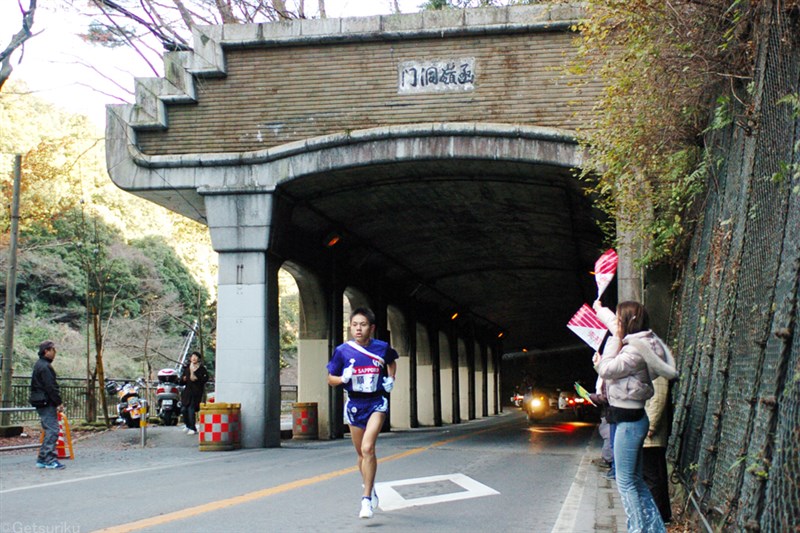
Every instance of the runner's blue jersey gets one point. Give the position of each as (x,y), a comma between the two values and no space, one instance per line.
(367,371)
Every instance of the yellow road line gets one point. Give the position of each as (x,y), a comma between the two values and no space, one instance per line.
(255,495)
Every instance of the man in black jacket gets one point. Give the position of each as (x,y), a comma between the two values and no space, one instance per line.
(46,397)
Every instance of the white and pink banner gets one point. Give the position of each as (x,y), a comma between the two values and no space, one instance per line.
(588,327)
(604,269)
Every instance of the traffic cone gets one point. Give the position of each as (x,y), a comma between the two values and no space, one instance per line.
(64,438)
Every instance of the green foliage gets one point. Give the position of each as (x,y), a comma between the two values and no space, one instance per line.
(660,62)
(289,305)
(723,116)
(173,273)
(74,230)
(792,100)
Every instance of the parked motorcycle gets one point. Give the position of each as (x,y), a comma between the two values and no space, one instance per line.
(168,395)
(131,405)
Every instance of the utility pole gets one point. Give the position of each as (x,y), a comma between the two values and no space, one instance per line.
(11,296)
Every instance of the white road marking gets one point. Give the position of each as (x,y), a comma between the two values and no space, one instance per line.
(227,455)
(565,523)
(391,500)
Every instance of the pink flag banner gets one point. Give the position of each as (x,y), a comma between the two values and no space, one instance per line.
(588,327)
(604,269)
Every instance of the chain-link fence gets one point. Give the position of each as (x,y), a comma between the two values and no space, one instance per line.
(736,434)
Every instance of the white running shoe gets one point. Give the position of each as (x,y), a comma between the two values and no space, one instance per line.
(374,499)
(191,432)
(366,508)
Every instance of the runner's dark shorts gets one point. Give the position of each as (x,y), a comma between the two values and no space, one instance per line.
(358,410)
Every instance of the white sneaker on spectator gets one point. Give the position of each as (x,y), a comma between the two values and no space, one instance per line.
(191,432)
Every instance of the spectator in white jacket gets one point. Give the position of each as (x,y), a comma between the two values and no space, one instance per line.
(633,356)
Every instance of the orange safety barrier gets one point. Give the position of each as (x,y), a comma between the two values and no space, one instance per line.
(304,421)
(220,426)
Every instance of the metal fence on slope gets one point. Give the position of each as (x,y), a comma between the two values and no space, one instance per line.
(736,434)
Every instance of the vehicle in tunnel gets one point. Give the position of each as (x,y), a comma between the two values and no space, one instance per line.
(570,402)
(517,398)
(537,404)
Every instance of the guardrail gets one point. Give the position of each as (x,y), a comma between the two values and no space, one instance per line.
(74,393)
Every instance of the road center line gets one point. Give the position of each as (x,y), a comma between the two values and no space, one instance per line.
(264,493)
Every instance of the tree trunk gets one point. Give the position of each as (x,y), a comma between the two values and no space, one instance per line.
(101,379)
(17,41)
(280,9)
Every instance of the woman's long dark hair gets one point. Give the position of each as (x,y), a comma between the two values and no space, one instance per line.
(632,317)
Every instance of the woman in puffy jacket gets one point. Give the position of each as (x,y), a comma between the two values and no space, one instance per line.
(633,356)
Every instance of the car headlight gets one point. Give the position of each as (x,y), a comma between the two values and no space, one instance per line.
(536,402)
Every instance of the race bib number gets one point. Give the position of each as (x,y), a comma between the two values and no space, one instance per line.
(365,383)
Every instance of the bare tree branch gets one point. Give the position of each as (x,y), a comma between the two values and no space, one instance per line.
(17,41)
(169,44)
(224,8)
(185,14)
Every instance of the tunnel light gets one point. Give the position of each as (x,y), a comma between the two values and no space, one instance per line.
(332,239)
(500,335)
(454,316)
(525,350)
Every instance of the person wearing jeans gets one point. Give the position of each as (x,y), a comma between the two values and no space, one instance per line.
(633,356)
(628,461)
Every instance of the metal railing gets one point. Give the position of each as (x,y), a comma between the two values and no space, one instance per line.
(74,394)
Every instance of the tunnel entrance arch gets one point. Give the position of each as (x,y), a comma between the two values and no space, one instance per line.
(457,209)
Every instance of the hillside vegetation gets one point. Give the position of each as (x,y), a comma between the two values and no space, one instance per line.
(94,261)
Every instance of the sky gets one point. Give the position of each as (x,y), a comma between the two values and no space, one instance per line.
(59,67)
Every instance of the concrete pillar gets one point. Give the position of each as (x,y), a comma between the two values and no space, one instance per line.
(630,248)
(465,406)
(400,398)
(424,382)
(446,380)
(435,344)
(488,379)
(480,380)
(629,277)
(413,370)
(247,355)
(496,354)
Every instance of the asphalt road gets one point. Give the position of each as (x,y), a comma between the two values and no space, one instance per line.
(491,474)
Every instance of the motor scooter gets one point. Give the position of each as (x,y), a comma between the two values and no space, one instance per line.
(131,405)
(168,396)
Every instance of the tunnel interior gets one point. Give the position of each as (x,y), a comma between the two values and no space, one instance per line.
(508,245)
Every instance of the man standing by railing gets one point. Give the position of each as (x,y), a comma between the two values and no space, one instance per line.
(46,398)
